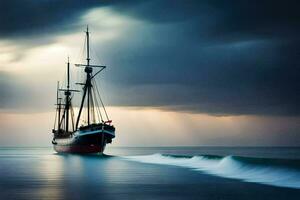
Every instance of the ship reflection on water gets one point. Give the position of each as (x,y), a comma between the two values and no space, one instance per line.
(62,176)
(41,174)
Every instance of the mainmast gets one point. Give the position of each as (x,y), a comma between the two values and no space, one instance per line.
(58,103)
(88,71)
(68,94)
(87,89)
(87,46)
(88,85)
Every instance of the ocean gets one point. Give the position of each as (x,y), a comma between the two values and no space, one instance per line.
(151,173)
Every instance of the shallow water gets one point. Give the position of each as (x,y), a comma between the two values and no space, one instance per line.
(151,173)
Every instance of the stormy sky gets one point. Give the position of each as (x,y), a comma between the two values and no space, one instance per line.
(207,57)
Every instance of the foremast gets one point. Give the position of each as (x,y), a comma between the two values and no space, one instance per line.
(63,125)
(67,93)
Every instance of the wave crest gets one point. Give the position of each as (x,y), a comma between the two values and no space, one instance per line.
(247,169)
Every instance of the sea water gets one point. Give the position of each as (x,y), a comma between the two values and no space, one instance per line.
(151,173)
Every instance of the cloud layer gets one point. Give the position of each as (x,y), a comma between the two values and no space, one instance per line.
(216,57)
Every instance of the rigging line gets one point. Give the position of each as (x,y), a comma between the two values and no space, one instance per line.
(94,116)
(55,118)
(98,72)
(80,56)
(72,116)
(101,100)
(61,124)
(99,112)
(81,51)
(64,115)
(81,106)
(94,53)
(62,119)
(92,104)
(87,110)
(92,107)
(98,107)
(72,112)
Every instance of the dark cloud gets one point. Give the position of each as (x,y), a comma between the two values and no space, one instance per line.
(218,57)
(229,91)
(236,57)
(30,18)
(223,18)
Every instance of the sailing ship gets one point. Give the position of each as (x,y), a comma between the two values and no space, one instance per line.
(74,134)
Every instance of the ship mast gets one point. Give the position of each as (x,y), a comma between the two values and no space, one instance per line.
(66,115)
(58,103)
(87,89)
(68,94)
(88,71)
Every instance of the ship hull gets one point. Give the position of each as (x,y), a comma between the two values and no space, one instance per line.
(83,142)
(78,149)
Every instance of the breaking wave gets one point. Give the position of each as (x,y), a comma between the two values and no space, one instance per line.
(276,172)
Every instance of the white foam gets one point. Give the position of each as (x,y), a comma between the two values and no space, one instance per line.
(229,168)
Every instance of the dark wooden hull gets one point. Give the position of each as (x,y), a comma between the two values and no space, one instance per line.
(78,149)
(83,142)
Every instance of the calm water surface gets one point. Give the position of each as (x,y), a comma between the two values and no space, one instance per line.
(151,173)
